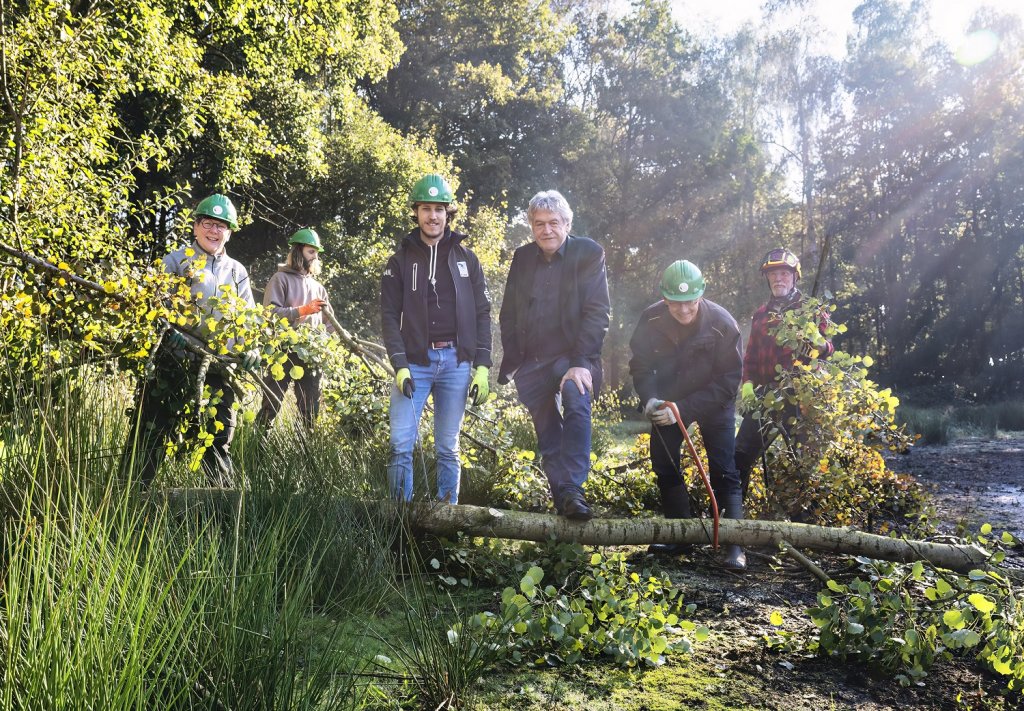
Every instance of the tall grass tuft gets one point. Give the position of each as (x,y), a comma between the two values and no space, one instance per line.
(932,424)
(115,600)
(440,657)
(941,425)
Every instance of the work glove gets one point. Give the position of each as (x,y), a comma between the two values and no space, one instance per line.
(480,388)
(313,307)
(176,339)
(404,383)
(747,391)
(661,416)
(251,360)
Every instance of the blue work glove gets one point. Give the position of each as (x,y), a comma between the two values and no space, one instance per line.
(176,339)
(251,360)
(480,388)
(403,381)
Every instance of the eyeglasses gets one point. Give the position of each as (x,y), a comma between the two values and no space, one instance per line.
(213,225)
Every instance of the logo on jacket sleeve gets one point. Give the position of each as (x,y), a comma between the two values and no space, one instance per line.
(463,269)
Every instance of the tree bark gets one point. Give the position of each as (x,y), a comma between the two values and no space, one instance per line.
(496,523)
(442,519)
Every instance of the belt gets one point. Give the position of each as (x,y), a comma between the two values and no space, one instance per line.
(438,345)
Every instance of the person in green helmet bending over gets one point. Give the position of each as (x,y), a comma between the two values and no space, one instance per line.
(162,398)
(436,323)
(687,349)
(294,293)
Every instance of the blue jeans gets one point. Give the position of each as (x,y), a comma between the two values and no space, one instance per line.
(448,380)
(561,419)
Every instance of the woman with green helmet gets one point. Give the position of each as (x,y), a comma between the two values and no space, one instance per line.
(294,293)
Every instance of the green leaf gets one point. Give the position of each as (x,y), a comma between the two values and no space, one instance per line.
(986,528)
(954,619)
(981,602)
(855,628)
(835,587)
(776,616)
(971,638)
(296,372)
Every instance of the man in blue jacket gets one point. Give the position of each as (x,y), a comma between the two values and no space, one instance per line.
(687,349)
(436,322)
(554,318)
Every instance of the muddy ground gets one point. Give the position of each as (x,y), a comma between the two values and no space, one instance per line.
(972,482)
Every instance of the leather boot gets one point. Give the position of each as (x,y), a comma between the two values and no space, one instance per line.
(735,558)
(675,503)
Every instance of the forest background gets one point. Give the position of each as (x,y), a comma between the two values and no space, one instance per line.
(907,157)
(893,168)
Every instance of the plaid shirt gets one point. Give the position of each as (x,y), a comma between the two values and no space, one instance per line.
(763,352)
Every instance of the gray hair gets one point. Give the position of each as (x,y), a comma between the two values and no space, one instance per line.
(552,201)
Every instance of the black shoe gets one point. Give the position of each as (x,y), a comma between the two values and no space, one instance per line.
(735,559)
(672,549)
(574,507)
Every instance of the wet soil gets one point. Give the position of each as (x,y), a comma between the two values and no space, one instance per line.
(972,482)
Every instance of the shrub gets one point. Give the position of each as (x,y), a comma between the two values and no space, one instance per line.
(828,467)
(902,618)
(608,610)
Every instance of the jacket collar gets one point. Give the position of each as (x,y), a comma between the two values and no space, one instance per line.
(413,238)
(784,302)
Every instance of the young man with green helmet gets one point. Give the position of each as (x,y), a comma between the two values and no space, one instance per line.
(294,294)
(686,349)
(162,398)
(436,323)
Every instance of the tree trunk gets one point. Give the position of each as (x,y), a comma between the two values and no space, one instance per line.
(496,523)
(442,519)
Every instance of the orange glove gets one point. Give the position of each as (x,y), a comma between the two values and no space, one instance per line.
(313,307)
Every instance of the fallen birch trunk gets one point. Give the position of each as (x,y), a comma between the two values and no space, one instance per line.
(442,519)
(518,525)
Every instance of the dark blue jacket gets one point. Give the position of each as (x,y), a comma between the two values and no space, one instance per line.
(403,304)
(700,373)
(582,298)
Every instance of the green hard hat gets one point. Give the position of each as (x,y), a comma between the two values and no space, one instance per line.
(682,281)
(307,236)
(432,187)
(218,207)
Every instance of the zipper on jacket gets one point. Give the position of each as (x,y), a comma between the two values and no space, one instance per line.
(414,270)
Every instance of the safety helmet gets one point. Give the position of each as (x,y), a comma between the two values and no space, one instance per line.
(307,236)
(781,258)
(682,281)
(218,207)
(432,187)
